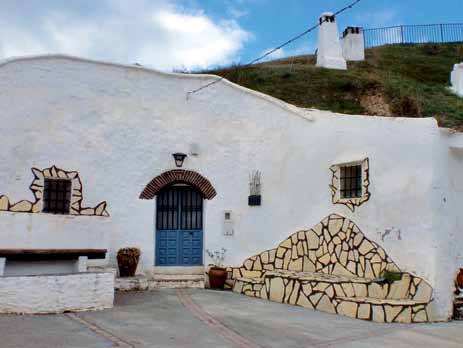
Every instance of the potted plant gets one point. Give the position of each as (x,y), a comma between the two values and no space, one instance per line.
(217,272)
(127,261)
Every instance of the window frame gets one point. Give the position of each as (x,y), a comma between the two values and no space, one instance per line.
(67,200)
(336,186)
(351,178)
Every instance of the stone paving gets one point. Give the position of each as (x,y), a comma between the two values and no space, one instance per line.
(203,318)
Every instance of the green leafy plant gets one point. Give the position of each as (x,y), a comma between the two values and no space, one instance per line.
(391,276)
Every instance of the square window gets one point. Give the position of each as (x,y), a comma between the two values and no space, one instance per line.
(56,196)
(351,181)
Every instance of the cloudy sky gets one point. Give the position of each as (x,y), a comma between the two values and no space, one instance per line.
(190,34)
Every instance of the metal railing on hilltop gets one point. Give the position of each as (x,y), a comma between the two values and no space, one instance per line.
(404,34)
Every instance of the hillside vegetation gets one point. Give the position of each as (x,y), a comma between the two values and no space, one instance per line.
(396,80)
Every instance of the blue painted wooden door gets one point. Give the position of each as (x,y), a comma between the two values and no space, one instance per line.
(179,227)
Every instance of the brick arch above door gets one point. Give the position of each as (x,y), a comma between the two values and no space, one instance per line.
(179,176)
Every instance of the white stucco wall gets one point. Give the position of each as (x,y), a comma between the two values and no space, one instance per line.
(118,126)
(56,293)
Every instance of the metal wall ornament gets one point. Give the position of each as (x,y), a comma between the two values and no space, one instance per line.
(255,197)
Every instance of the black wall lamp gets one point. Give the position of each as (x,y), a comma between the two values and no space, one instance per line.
(179,158)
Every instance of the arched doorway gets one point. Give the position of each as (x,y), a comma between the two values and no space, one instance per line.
(179,226)
(179,216)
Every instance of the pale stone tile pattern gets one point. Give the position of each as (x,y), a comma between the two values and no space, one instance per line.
(333,279)
(37,189)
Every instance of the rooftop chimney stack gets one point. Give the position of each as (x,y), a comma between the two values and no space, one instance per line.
(353,44)
(456,79)
(329,53)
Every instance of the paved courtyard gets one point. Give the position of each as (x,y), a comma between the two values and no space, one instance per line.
(203,318)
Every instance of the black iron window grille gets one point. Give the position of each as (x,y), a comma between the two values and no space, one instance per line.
(351,181)
(179,208)
(56,196)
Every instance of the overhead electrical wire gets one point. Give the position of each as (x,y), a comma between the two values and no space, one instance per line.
(297,37)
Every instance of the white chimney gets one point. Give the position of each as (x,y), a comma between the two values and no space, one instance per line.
(456,79)
(353,44)
(329,54)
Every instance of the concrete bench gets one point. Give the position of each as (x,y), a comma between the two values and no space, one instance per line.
(403,301)
(46,261)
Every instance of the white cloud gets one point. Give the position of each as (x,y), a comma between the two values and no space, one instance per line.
(280,53)
(155,33)
(379,18)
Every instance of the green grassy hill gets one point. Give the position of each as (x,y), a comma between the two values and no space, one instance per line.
(397,80)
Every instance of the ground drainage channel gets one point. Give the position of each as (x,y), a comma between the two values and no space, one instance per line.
(214,324)
(117,341)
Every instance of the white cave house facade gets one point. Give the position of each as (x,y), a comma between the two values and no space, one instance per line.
(86,161)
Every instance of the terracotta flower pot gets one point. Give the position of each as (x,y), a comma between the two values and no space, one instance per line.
(127,261)
(217,277)
(460,279)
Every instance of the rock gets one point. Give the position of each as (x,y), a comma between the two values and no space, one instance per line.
(22,207)
(340,270)
(100,208)
(276,290)
(264,257)
(364,311)
(286,244)
(358,239)
(4,203)
(315,298)
(335,225)
(420,317)
(365,247)
(348,309)
(338,290)
(304,302)
(238,286)
(307,289)
(376,291)
(360,290)
(286,260)
(404,317)
(251,274)
(87,211)
(300,249)
(271,255)
(399,289)
(321,287)
(348,289)
(423,292)
(248,264)
(378,314)
(325,305)
(293,297)
(391,312)
(257,265)
(281,252)
(296,265)
(312,240)
(36,207)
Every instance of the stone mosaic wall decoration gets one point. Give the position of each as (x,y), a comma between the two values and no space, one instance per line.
(334,268)
(36,187)
(335,186)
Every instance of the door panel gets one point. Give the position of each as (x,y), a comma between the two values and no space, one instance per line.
(179,219)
